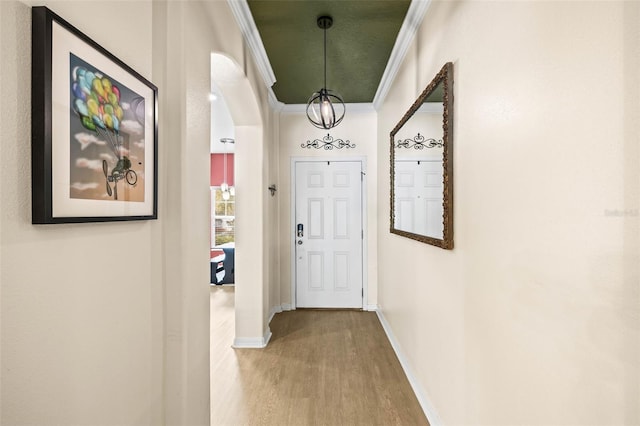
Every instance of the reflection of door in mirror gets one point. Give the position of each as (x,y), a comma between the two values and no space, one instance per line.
(418,171)
(418,197)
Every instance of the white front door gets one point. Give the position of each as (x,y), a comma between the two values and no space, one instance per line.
(328,234)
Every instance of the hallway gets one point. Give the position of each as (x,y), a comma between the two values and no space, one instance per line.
(320,367)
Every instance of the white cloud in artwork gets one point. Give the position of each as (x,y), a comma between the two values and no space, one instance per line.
(106,156)
(84,186)
(86,139)
(124,151)
(125,105)
(131,127)
(89,164)
(139,144)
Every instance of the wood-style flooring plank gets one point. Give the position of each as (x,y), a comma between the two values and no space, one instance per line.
(322,367)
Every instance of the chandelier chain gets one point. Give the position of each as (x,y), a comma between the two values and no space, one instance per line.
(325,58)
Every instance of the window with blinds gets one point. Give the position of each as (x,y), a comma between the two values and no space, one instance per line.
(223,218)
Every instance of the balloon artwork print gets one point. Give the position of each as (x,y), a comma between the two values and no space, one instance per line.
(107,136)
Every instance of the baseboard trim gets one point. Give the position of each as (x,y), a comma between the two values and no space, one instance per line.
(274,310)
(370,308)
(252,342)
(277,309)
(248,343)
(421,395)
(267,336)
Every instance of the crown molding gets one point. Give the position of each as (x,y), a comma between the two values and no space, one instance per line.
(407,32)
(274,103)
(302,108)
(244,18)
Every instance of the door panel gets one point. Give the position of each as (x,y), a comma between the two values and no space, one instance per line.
(328,254)
(315,220)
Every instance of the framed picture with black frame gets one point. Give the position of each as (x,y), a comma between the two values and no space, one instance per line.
(94,130)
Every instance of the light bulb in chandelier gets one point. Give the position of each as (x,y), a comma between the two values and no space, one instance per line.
(226,195)
(325,109)
(232,191)
(224,186)
(327,112)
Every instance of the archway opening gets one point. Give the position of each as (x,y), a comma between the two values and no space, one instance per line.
(228,79)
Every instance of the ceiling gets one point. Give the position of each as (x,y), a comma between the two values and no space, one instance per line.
(358,45)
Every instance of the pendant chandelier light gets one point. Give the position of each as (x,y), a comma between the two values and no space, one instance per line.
(325,108)
(227,191)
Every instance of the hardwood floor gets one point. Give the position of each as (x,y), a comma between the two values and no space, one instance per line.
(322,367)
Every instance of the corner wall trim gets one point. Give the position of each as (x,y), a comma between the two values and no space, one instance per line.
(252,342)
(280,308)
(425,403)
(274,103)
(274,310)
(267,336)
(371,308)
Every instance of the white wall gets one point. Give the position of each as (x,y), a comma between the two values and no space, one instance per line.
(89,335)
(359,127)
(198,29)
(82,319)
(534,317)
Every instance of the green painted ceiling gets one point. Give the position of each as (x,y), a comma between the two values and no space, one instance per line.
(358,45)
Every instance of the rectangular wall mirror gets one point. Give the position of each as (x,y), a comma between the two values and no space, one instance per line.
(422,166)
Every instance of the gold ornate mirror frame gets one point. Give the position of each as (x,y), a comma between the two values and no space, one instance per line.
(440,86)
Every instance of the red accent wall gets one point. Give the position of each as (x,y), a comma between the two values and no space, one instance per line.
(217,169)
